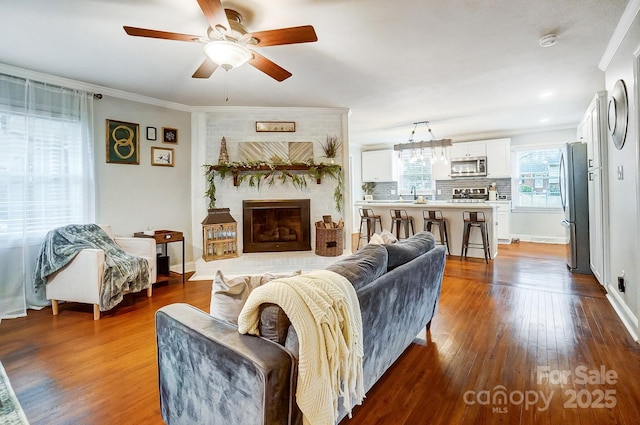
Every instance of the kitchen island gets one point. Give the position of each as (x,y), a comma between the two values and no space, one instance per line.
(452,212)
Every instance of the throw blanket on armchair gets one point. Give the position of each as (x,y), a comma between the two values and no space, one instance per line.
(123,272)
(324,310)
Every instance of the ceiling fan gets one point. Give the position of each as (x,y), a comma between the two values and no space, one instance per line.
(227,42)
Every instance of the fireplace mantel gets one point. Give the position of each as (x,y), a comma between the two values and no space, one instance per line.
(259,173)
(316,170)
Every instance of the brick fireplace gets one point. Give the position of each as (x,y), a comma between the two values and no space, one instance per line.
(276,225)
(238,124)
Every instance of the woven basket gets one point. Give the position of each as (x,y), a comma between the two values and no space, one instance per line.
(329,242)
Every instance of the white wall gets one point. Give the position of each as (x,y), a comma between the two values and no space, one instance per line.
(540,226)
(238,125)
(624,193)
(356,182)
(133,198)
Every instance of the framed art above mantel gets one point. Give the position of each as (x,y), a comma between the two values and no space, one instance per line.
(275,126)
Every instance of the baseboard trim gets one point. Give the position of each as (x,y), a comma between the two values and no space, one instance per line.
(188,267)
(629,320)
(541,239)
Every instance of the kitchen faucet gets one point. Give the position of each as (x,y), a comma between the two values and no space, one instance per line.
(413,192)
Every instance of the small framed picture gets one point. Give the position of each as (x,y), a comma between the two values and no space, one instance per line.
(151,133)
(162,156)
(275,126)
(169,135)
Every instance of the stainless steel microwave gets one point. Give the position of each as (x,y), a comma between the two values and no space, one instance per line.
(469,166)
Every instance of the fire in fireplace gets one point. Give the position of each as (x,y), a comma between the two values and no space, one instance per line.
(276,225)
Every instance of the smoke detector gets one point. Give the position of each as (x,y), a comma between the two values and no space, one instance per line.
(548,40)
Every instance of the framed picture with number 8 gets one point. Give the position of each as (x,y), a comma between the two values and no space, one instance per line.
(122,142)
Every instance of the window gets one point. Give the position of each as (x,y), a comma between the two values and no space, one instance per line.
(537,182)
(42,174)
(46,178)
(415,170)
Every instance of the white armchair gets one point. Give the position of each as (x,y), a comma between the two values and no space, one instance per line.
(81,279)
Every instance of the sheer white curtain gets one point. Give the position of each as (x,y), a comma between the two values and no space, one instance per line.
(46,178)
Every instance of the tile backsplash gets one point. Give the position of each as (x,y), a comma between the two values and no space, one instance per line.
(385,190)
(503,186)
(389,190)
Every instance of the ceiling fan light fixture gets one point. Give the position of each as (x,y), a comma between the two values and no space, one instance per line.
(227,54)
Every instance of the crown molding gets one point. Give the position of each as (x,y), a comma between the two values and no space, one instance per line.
(498,134)
(269,109)
(97,89)
(628,16)
(88,87)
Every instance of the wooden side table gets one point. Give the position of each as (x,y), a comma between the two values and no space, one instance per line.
(163,237)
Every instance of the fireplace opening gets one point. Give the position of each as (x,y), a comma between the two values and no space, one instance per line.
(276,225)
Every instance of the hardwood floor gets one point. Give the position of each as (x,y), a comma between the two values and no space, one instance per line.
(497,325)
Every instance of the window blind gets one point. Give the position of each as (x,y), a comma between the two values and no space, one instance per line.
(46,178)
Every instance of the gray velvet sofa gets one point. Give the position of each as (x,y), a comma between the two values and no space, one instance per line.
(211,374)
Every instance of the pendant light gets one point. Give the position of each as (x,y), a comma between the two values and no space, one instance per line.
(429,144)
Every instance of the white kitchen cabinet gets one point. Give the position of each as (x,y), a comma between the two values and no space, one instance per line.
(596,233)
(498,158)
(592,130)
(497,152)
(441,170)
(379,166)
(503,220)
(585,132)
(468,150)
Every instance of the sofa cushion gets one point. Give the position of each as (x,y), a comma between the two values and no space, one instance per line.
(388,237)
(363,266)
(274,323)
(408,249)
(376,239)
(229,293)
(360,269)
(107,229)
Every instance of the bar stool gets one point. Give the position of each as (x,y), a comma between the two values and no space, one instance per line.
(367,216)
(475,219)
(434,217)
(401,218)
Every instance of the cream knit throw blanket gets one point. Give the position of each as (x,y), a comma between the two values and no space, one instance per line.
(324,310)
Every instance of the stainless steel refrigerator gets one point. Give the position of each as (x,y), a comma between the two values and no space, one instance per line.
(575,202)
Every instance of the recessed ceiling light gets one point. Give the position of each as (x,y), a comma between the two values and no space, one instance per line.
(548,40)
(545,94)
(543,120)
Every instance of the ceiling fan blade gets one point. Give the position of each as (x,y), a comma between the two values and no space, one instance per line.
(214,12)
(143,32)
(293,35)
(206,69)
(268,67)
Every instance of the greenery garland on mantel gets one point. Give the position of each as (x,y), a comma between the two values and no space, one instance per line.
(257,173)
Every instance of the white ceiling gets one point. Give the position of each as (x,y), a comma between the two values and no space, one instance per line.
(473,68)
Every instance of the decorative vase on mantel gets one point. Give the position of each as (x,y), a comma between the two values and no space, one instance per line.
(224,155)
(331,148)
